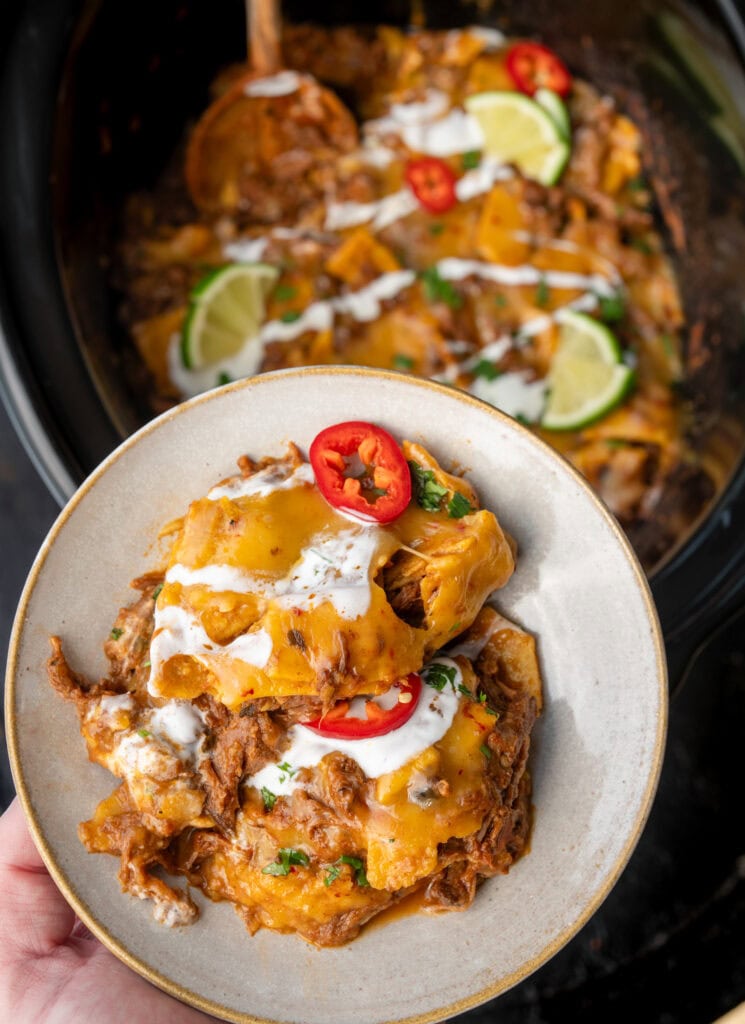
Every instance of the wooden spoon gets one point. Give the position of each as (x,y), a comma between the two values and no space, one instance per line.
(262,146)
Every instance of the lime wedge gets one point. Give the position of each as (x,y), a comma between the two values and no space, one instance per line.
(227,307)
(519,131)
(556,108)
(587,378)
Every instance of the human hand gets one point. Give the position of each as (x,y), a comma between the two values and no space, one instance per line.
(52,970)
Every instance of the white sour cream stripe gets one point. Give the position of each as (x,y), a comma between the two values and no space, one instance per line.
(377,755)
(385,211)
(179,632)
(428,126)
(335,567)
(364,305)
(281,84)
(279,477)
(454,268)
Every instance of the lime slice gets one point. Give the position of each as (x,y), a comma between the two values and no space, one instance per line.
(556,108)
(227,307)
(519,131)
(587,378)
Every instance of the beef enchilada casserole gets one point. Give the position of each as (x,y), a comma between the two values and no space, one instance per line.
(312,710)
(470,212)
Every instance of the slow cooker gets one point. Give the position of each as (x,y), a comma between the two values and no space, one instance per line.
(94,97)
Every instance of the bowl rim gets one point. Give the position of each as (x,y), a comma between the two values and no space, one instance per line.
(87,916)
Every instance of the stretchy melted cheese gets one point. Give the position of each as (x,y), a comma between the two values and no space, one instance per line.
(271,593)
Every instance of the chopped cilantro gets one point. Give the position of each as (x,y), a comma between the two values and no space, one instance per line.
(116,633)
(459,506)
(462,688)
(638,184)
(402,362)
(542,293)
(470,159)
(615,442)
(147,664)
(332,873)
(143,733)
(290,316)
(454,627)
(611,308)
(283,292)
(284,861)
(522,418)
(223,378)
(485,751)
(357,866)
(287,771)
(334,870)
(437,228)
(641,245)
(268,797)
(428,492)
(500,300)
(437,289)
(486,369)
(156,592)
(438,676)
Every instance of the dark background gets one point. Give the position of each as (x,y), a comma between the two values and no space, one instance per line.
(668,945)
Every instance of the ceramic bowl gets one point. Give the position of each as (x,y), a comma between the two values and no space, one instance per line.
(597,749)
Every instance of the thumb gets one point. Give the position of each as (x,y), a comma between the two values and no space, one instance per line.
(35,916)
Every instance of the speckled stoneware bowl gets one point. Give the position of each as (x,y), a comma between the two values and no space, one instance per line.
(597,749)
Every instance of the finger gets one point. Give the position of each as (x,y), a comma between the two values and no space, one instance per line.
(35,917)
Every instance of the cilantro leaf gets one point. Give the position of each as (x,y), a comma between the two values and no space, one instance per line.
(283,292)
(268,797)
(402,362)
(437,228)
(486,751)
(223,378)
(116,633)
(486,369)
(438,676)
(542,293)
(290,316)
(470,159)
(611,308)
(459,506)
(437,289)
(428,492)
(287,771)
(333,871)
(284,860)
(156,592)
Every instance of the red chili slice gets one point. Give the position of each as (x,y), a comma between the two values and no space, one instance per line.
(433,183)
(336,725)
(532,67)
(360,469)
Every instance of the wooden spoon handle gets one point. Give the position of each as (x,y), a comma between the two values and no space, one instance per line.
(263,18)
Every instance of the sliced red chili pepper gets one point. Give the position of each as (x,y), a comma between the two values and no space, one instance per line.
(532,67)
(378,722)
(360,469)
(433,183)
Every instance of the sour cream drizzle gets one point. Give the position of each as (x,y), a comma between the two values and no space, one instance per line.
(280,477)
(383,212)
(335,567)
(281,84)
(177,631)
(363,305)
(376,756)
